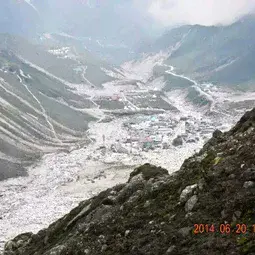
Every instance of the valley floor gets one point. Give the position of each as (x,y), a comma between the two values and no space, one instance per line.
(163,133)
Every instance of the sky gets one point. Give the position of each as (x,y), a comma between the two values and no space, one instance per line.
(203,12)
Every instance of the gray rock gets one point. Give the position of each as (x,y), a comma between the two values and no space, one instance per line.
(223,214)
(201,184)
(172,217)
(187,191)
(58,250)
(127,232)
(121,149)
(232,176)
(188,215)
(238,214)
(217,133)
(147,203)
(171,249)
(165,146)
(137,178)
(19,242)
(101,237)
(184,231)
(191,203)
(178,141)
(249,174)
(191,141)
(249,184)
(148,171)
(10,245)
(104,247)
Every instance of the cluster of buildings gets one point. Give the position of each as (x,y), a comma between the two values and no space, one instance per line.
(149,132)
(155,133)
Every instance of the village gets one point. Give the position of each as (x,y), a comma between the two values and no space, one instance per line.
(140,125)
(144,133)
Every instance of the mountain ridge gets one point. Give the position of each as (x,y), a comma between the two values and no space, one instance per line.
(220,55)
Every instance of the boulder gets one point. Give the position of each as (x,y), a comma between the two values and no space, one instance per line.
(191,203)
(178,141)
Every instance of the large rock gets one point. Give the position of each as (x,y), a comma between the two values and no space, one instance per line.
(148,171)
(191,203)
(188,190)
(178,141)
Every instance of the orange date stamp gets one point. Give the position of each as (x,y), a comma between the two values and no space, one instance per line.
(223,228)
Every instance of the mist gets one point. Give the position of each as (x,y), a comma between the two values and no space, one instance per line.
(203,12)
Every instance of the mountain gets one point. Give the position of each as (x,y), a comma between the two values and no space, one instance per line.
(206,53)
(91,19)
(79,18)
(89,95)
(207,207)
(219,55)
(19,17)
(41,110)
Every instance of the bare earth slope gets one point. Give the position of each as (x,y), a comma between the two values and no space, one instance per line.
(154,213)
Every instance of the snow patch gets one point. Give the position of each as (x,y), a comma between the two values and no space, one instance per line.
(29,2)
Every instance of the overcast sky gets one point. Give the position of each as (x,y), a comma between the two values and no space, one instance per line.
(204,12)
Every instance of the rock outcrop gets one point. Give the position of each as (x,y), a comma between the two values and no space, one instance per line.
(154,213)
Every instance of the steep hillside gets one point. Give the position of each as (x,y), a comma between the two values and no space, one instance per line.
(67,62)
(41,109)
(39,112)
(221,55)
(154,213)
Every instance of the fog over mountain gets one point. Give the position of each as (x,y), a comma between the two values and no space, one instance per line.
(80,18)
(207,13)
(90,90)
(144,14)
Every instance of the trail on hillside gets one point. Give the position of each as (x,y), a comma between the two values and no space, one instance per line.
(196,86)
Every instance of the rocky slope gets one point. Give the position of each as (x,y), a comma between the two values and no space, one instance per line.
(154,213)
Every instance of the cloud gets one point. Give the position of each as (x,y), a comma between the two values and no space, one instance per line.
(203,12)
